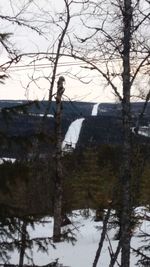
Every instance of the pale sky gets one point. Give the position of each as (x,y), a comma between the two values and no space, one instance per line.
(93,88)
(25,40)
(16,87)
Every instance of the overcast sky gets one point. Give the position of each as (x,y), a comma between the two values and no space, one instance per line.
(25,40)
(93,88)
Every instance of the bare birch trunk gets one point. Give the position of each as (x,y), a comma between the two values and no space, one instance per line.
(59,170)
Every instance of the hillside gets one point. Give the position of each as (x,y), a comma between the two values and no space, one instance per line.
(92,131)
(101,125)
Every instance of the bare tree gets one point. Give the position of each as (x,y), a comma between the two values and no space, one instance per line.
(104,231)
(117,48)
(113,41)
(58,179)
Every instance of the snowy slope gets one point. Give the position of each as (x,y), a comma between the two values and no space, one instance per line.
(82,253)
(95,110)
(72,135)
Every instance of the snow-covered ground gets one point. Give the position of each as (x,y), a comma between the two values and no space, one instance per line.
(103,110)
(2,160)
(97,108)
(72,135)
(82,253)
(144,131)
(41,115)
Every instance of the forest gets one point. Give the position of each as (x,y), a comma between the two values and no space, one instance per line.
(74,133)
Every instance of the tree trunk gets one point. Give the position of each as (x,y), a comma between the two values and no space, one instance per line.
(103,234)
(59,169)
(23,243)
(126,116)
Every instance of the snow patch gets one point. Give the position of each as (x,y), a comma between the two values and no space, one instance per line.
(72,135)
(103,110)
(95,110)
(41,115)
(2,160)
(143,133)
